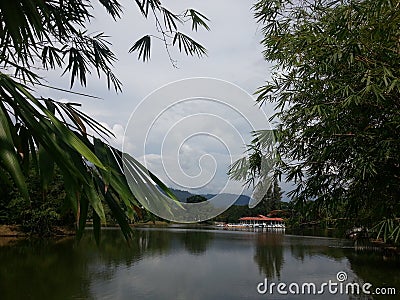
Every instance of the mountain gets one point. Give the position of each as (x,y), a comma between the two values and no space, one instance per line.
(241,201)
(183,195)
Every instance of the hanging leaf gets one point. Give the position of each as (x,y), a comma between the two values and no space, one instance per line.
(143,47)
(187,44)
(8,157)
(198,19)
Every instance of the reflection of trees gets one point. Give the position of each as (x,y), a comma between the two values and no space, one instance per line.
(367,266)
(115,252)
(196,242)
(49,269)
(38,269)
(269,254)
(114,248)
(301,248)
(152,243)
(372,268)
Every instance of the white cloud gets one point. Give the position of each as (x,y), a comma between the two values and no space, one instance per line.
(235,55)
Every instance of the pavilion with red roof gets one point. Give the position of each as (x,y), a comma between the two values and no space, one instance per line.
(262,221)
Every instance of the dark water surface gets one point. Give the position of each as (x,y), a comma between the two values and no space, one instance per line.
(182,263)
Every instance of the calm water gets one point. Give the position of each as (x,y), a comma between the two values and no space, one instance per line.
(179,263)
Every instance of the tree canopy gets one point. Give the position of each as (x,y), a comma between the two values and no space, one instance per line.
(336,87)
(50,34)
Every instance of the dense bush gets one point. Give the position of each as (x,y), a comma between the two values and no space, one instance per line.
(45,210)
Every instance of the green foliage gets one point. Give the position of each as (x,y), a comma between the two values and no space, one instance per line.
(39,221)
(49,134)
(45,210)
(388,229)
(167,26)
(259,161)
(337,90)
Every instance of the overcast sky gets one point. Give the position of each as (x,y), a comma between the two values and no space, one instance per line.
(234,55)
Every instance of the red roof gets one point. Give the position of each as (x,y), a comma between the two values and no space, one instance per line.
(260,218)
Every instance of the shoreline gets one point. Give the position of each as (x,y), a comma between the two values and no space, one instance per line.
(15,231)
(10,233)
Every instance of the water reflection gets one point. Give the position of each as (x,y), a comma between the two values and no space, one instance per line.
(303,248)
(386,272)
(196,242)
(180,264)
(269,254)
(40,269)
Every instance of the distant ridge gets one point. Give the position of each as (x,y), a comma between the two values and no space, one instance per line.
(183,195)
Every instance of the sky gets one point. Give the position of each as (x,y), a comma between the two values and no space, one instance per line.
(190,143)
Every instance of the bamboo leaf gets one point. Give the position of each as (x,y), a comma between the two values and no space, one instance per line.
(143,46)
(197,18)
(95,200)
(8,156)
(82,216)
(64,133)
(96,227)
(119,216)
(170,19)
(187,44)
(46,168)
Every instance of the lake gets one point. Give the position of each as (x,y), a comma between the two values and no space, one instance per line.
(191,263)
